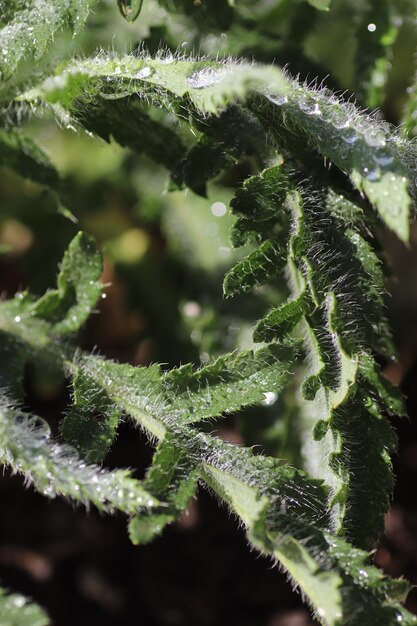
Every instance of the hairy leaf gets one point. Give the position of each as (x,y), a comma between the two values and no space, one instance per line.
(55,469)
(355,142)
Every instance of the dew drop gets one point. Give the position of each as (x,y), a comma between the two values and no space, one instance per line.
(383,158)
(279,100)
(372,174)
(17,319)
(169,58)
(270,398)
(130,9)
(143,73)
(205,77)
(340,122)
(375,140)
(350,137)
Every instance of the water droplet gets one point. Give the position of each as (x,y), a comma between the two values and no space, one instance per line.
(340,121)
(350,137)
(143,73)
(279,100)
(372,174)
(375,140)
(270,398)
(205,77)
(17,319)
(169,58)
(371,27)
(309,106)
(19,601)
(130,9)
(383,158)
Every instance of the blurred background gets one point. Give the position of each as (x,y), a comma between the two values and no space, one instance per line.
(165,256)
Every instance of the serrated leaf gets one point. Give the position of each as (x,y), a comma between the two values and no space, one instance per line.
(32,28)
(258,267)
(172,478)
(68,307)
(54,469)
(92,434)
(20,152)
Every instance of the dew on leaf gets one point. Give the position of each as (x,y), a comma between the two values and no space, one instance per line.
(270,398)
(279,100)
(350,136)
(204,78)
(372,174)
(309,107)
(143,73)
(130,9)
(19,601)
(375,140)
(383,158)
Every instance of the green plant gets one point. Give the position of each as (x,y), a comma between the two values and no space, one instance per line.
(311,231)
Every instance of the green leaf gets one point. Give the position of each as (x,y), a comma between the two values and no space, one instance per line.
(69,306)
(172,478)
(334,275)
(283,509)
(355,142)
(261,265)
(33,26)
(280,321)
(92,434)
(132,127)
(20,152)
(358,144)
(323,5)
(16,610)
(54,469)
